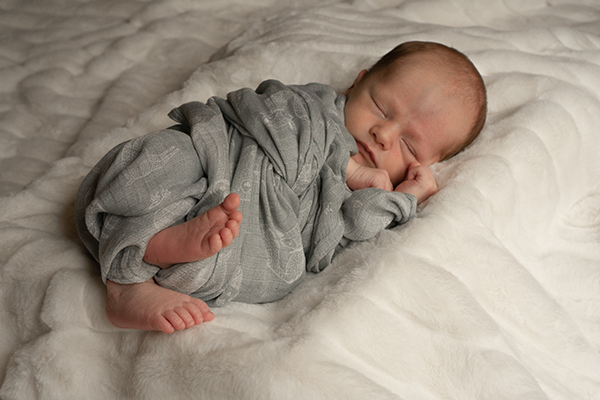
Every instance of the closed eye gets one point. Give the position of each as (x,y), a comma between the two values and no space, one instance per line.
(379,108)
(410,148)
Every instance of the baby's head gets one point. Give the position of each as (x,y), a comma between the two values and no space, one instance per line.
(422,102)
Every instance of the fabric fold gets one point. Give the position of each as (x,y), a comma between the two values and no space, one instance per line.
(283,149)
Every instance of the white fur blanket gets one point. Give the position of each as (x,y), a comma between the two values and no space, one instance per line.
(492,292)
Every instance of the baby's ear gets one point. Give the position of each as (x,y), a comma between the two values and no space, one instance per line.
(361,74)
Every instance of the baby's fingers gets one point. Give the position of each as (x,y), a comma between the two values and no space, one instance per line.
(419,182)
(413,171)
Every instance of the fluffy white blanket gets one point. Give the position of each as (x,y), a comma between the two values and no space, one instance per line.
(493,292)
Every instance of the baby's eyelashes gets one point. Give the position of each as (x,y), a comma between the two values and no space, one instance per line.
(409,147)
(379,109)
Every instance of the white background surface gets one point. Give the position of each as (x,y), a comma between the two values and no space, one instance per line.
(492,292)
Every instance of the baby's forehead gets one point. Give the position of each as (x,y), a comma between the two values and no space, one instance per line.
(459,78)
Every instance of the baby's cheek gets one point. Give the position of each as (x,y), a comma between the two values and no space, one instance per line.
(398,176)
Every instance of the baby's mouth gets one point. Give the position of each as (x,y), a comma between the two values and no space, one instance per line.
(365,151)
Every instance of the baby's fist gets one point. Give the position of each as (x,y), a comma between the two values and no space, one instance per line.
(361,177)
(419,182)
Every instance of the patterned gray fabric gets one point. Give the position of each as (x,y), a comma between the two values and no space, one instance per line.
(283,149)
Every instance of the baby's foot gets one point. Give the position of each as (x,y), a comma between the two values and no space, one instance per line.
(198,238)
(151,307)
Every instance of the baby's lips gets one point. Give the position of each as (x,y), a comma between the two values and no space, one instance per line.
(365,152)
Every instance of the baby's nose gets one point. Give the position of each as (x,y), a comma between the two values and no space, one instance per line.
(387,134)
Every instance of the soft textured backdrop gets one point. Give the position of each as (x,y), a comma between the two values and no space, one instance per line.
(493,292)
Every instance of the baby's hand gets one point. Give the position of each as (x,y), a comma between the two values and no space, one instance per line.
(419,182)
(361,177)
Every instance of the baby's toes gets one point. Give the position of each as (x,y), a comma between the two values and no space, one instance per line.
(236,216)
(215,244)
(234,227)
(186,316)
(207,315)
(195,313)
(175,318)
(226,236)
(231,202)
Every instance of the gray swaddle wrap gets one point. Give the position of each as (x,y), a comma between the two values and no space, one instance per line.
(283,149)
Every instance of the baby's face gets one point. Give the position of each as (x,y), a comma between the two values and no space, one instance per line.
(403,118)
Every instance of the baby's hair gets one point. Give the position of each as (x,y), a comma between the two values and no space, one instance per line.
(468,83)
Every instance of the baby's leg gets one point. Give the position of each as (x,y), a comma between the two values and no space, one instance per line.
(150,307)
(198,238)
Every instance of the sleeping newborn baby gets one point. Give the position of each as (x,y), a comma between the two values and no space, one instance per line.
(310,170)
